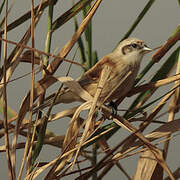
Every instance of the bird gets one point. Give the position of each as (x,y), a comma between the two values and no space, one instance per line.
(125,58)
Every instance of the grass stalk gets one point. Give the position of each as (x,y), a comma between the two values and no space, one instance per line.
(11,169)
(41,129)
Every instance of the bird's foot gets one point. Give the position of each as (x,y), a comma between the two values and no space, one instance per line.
(112,105)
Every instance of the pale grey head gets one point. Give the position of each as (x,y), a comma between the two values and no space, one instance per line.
(132,49)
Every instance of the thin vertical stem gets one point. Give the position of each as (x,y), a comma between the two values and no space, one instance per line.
(49,34)
(32,81)
(11,171)
(174,103)
(41,129)
(32,86)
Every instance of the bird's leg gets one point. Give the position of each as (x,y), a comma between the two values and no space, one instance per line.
(113,106)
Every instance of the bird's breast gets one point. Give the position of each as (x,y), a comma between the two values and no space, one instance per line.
(120,82)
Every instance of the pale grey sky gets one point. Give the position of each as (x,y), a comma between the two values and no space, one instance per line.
(110,23)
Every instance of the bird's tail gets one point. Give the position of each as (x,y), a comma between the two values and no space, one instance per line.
(63,97)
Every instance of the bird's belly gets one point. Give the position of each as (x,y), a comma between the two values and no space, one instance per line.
(115,91)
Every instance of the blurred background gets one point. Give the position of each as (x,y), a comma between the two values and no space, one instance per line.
(109,25)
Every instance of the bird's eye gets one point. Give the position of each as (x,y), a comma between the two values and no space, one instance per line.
(134,45)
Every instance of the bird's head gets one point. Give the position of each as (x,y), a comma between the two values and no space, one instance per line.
(132,49)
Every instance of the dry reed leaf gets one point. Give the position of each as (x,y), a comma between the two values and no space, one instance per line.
(164,130)
(167,45)
(14,58)
(61,114)
(54,117)
(40,170)
(119,123)
(176,98)
(70,140)
(39,89)
(160,132)
(156,84)
(173,108)
(103,79)
(146,166)
(76,88)
(74,126)
(156,152)
(55,141)
(27,57)
(69,45)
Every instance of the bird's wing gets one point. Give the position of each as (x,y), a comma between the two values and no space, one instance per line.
(90,79)
(93,74)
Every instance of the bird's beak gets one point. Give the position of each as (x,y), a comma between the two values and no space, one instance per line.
(147,49)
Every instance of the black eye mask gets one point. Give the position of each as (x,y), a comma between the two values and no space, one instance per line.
(128,48)
(136,46)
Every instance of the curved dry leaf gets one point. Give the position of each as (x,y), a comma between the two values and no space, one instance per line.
(164,130)
(75,87)
(147,162)
(40,87)
(53,66)
(72,132)
(74,126)
(27,57)
(40,170)
(156,84)
(61,114)
(103,79)
(146,166)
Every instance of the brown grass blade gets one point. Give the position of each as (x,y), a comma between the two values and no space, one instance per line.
(103,79)
(39,86)
(164,130)
(64,51)
(146,166)
(11,168)
(70,140)
(160,132)
(75,87)
(156,84)
(65,113)
(27,145)
(13,59)
(156,152)
(173,107)
(39,89)
(26,57)
(38,52)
